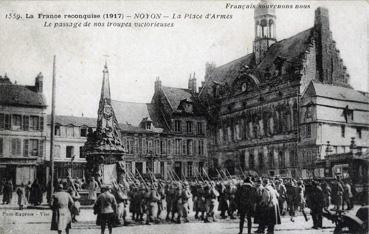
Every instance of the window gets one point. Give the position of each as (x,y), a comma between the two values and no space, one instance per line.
(16,146)
(189,169)
(169,145)
(69,151)
(70,131)
(34,147)
(83,132)
(178,147)
(199,128)
(201,147)
(308,131)
(1,146)
(81,153)
(41,148)
(157,147)
(26,123)
(343,131)
(189,126)
(251,161)
(149,147)
(130,146)
(162,147)
(2,121)
(34,123)
(162,169)
(17,122)
(184,147)
(144,146)
(358,132)
(7,122)
(41,124)
(57,130)
(189,147)
(25,147)
(177,125)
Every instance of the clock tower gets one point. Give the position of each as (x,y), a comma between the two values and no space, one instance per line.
(265,34)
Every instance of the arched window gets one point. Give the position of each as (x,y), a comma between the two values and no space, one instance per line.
(271,28)
(263,25)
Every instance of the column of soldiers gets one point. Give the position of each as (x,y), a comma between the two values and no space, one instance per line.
(262,199)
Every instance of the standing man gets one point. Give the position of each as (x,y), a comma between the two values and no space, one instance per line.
(106,209)
(282,191)
(245,200)
(347,195)
(316,204)
(269,208)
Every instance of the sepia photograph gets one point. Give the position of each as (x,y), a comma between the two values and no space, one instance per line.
(176,117)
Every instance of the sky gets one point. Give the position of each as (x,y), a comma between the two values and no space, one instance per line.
(136,56)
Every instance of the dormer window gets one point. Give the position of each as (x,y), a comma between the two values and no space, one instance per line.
(148,125)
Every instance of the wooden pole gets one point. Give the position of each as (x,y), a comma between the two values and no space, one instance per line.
(52,130)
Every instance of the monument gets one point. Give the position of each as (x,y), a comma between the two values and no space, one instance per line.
(103,149)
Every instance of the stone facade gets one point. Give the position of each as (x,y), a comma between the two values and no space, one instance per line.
(257,120)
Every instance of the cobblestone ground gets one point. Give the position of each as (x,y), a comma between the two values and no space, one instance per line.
(38,221)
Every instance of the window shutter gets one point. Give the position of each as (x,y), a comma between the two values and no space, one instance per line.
(25,147)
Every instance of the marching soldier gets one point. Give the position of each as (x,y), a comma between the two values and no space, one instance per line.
(152,198)
(231,194)
(211,195)
(222,199)
(169,197)
(183,207)
(200,202)
(161,192)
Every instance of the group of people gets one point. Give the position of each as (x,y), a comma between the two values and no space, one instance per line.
(262,200)
(31,193)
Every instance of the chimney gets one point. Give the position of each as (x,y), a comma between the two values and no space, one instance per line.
(323,37)
(39,80)
(189,82)
(157,84)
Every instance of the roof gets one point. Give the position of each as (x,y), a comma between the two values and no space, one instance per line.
(73,120)
(132,113)
(291,49)
(337,92)
(19,95)
(176,95)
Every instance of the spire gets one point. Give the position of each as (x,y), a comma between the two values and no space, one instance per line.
(105,88)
